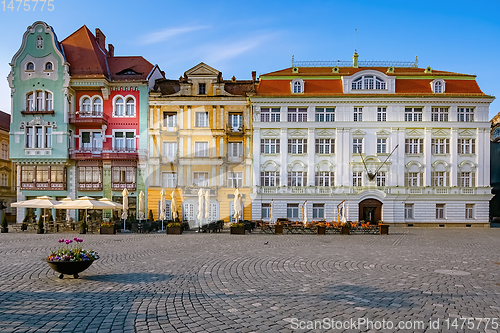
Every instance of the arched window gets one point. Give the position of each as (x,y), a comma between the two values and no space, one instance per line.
(97,105)
(30,102)
(297,86)
(438,87)
(119,106)
(130,107)
(368,82)
(48,101)
(86,105)
(39,101)
(48,66)
(30,66)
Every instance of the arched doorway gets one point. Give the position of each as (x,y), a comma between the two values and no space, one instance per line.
(370,210)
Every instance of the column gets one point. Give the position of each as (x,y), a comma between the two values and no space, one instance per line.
(189,118)
(284,157)
(180,176)
(213,179)
(188,150)
(180,117)
(338,157)
(401,157)
(256,158)
(151,118)
(311,156)
(427,156)
(189,179)
(346,170)
(214,121)
(159,118)
(454,157)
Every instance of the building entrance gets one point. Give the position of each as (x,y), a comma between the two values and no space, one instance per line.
(370,210)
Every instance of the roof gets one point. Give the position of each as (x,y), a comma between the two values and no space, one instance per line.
(129,68)
(4,121)
(323,81)
(238,87)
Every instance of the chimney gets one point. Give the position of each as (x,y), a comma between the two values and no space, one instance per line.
(111,50)
(101,39)
(254,76)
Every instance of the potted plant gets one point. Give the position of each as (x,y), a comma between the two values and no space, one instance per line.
(40,229)
(278,228)
(383,228)
(24,225)
(174,228)
(71,260)
(237,228)
(150,217)
(4,225)
(83,226)
(345,229)
(107,228)
(321,228)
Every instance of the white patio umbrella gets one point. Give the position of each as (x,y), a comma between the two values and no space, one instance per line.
(163,207)
(142,205)
(304,213)
(112,205)
(84,203)
(343,217)
(39,202)
(207,204)
(173,205)
(237,203)
(201,194)
(125,206)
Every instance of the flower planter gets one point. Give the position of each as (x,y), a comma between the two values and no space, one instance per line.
(278,229)
(174,231)
(237,231)
(69,267)
(83,230)
(40,231)
(345,230)
(383,229)
(321,230)
(107,230)
(4,230)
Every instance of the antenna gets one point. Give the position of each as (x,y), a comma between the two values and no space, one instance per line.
(355,39)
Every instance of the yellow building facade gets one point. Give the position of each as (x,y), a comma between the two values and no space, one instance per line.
(200,138)
(7,170)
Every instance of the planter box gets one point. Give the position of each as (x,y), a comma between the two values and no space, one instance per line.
(237,231)
(383,229)
(107,231)
(174,231)
(345,230)
(278,229)
(321,230)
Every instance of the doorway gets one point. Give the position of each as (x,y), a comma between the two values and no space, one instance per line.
(370,210)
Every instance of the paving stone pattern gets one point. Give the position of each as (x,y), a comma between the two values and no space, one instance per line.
(234,283)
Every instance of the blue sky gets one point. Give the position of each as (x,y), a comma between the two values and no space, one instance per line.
(237,37)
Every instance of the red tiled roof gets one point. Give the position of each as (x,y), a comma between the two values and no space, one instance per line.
(343,71)
(137,64)
(5,121)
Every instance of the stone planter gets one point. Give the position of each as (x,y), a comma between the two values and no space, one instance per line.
(321,230)
(278,229)
(40,231)
(69,267)
(4,230)
(344,230)
(237,230)
(383,229)
(107,231)
(174,231)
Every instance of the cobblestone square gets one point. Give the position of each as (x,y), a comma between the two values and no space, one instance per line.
(256,282)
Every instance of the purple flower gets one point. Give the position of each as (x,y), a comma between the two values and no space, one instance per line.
(76,239)
(61,241)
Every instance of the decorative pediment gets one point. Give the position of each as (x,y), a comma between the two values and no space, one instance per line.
(270,133)
(270,166)
(325,133)
(441,132)
(297,166)
(467,166)
(37,121)
(414,166)
(383,133)
(414,132)
(202,69)
(358,132)
(297,133)
(324,166)
(441,166)
(466,133)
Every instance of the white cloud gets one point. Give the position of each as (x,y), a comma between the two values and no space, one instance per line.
(162,35)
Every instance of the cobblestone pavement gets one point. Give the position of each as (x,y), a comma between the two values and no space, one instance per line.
(256,283)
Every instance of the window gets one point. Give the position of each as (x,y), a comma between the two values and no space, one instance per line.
(39,137)
(86,105)
(169,119)
(469,211)
(467,179)
(318,211)
(201,119)
(123,174)
(42,174)
(381,146)
(92,140)
(170,150)
(270,115)
(29,137)
(27,174)
(408,211)
(357,177)
(325,146)
(48,66)
(48,137)
(39,101)
(369,82)
(292,211)
(325,115)
(414,146)
(265,209)
(97,106)
(465,114)
(439,114)
(381,114)
(297,115)
(169,179)
(5,180)
(202,89)
(235,121)
(5,151)
(235,149)
(440,146)
(440,211)
(187,211)
(297,146)
(358,114)
(270,178)
(297,86)
(381,178)
(466,146)
(235,179)
(119,107)
(413,114)
(48,101)
(325,178)
(440,178)
(57,174)
(414,179)
(130,110)
(201,149)
(119,141)
(438,87)
(89,175)
(297,178)
(130,141)
(30,102)
(39,42)
(30,66)
(357,146)
(269,146)
(200,179)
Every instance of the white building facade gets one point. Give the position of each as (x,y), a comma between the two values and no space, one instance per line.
(322,134)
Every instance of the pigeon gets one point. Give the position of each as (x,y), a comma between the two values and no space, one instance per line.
(266,243)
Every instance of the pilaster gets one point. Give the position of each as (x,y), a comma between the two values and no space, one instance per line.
(284,157)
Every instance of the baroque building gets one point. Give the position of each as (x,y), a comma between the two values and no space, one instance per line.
(7,170)
(325,133)
(200,138)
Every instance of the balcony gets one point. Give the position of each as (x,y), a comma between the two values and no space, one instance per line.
(237,131)
(48,186)
(89,186)
(441,190)
(121,186)
(88,118)
(33,112)
(103,154)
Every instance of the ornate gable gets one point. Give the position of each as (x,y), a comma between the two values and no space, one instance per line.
(202,69)
(297,133)
(325,133)
(466,133)
(441,132)
(414,133)
(358,132)
(270,133)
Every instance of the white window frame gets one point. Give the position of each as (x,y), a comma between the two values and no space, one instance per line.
(297,178)
(466,146)
(465,114)
(297,114)
(235,179)
(318,210)
(297,146)
(357,178)
(440,114)
(440,178)
(201,149)
(170,150)
(169,179)
(297,86)
(324,178)
(414,179)
(381,146)
(381,113)
(270,115)
(325,115)
(440,211)
(235,149)
(235,121)
(358,114)
(292,210)
(413,114)
(357,143)
(169,120)
(201,179)
(201,119)
(368,82)
(438,86)
(123,107)
(270,146)
(381,178)
(414,146)
(469,211)
(325,146)
(467,179)
(409,211)
(440,146)
(269,178)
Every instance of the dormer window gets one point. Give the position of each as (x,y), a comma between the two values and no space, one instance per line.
(297,86)
(368,82)
(30,66)
(202,89)
(48,66)
(438,86)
